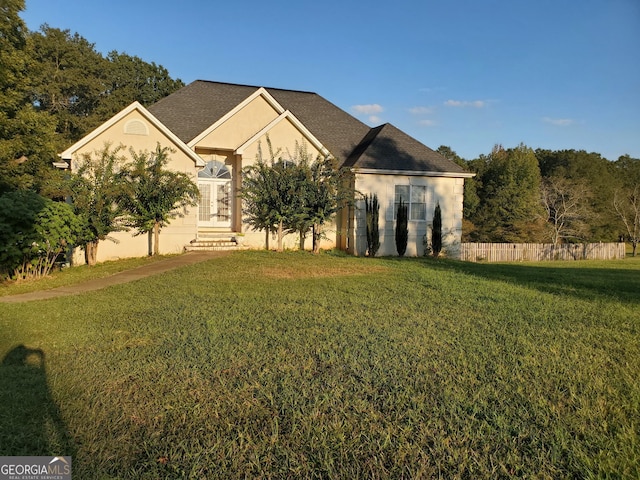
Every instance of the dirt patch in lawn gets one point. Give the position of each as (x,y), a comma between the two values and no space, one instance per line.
(295,272)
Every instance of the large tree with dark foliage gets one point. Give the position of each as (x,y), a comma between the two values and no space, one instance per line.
(26,135)
(509,191)
(54,88)
(81,88)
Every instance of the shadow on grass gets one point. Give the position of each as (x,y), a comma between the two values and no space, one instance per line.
(30,421)
(620,284)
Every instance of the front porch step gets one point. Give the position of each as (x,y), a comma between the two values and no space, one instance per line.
(207,242)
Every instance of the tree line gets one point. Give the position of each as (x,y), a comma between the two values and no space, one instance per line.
(54,89)
(523,195)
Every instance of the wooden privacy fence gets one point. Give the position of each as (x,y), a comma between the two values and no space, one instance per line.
(518,252)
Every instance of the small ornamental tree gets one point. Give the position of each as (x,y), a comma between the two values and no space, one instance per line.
(402,228)
(292,195)
(96,187)
(270,194)
(258,184)
(325,195)
(436,232)
(34,232)
(152,195)
(372,209)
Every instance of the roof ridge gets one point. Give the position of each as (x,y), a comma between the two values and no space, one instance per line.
(232,84)
(363,145)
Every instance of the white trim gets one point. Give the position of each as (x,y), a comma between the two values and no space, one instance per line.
(259,92)
(296,123)
(428,200)
(67,154)
(373,171)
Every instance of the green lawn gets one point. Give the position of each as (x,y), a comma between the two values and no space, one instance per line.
(71,276)
(258,365)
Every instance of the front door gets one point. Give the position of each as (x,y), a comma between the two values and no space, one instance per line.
(214,209)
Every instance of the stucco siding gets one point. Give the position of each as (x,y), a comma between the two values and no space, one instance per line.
(283,137)
(439,189)
(241,126)
(173,238)
(133,131)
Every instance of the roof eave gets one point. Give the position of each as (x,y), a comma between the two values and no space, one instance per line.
(414,173)
(67,154)
(259,92)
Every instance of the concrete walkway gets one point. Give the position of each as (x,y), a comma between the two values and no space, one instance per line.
(115,279)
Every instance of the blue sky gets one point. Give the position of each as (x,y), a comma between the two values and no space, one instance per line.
(469,74)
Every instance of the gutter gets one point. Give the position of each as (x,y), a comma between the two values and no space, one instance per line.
(414,173)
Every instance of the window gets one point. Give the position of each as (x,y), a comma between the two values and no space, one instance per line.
(415,196)
(215,169)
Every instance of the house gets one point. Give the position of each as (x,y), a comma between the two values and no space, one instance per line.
(215,129)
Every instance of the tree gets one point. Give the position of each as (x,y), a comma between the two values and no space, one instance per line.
(258,187)
(596,172)
(567,204)
(129,78)
(26,137)
(509,192)
(34,231)
(402,228)
(626,200)
(302,193)
(626,203)
(96,188)
(372,209)
(450,154)
(68,78)
(54,88)
(153,195)
(325,195)
(292,194)
(13,56)
(269,193)
(436,232)
(27,149)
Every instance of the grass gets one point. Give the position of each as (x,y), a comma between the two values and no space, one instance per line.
(72,276)
(259,365)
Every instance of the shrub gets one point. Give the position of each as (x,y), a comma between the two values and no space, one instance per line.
(436,232)
(34,231)
(372,209)
(402,228)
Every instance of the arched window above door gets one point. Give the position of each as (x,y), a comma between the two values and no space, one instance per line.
(215,169)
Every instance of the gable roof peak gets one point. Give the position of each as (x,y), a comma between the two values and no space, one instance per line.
(230,84)
(387,148)
(148,116)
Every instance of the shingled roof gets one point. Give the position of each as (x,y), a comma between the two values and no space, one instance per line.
(194,108)
(389,148)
